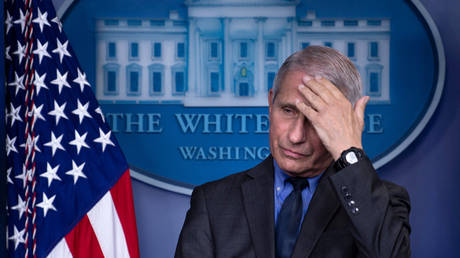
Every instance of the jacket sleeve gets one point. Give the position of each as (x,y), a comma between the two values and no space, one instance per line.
(195,239)
(378,210)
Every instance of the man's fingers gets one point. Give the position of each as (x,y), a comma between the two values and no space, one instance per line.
(308,111)
(331,87)
(314,100)
(360,107)
(316,86)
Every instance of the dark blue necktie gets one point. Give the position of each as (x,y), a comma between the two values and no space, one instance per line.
(289,218)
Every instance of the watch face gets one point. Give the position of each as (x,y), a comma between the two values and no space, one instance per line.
(351,158)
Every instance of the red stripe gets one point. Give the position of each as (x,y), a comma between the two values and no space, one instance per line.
(82,240)
(122,196)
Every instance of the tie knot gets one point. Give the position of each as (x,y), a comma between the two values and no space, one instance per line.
(298,183)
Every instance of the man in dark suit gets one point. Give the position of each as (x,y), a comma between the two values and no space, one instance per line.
(317,194)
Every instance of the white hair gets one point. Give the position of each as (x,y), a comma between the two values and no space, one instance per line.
(327,63)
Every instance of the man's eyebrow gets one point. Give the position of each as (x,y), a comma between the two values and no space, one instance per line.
(289,105)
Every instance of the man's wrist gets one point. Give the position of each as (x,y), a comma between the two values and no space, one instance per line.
(338,153)
(348,157)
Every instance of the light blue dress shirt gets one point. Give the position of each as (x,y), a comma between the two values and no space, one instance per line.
(282,189)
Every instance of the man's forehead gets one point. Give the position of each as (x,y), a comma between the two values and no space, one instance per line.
(290,82)
(296,73)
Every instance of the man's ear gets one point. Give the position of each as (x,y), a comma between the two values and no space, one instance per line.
(270,99)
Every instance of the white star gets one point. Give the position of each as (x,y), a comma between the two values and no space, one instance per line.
(8,22)
(39,82)
(76,172)
(104,139)
(31,143)
(29,174)
(61,80)
(20,51)
(18,83)
(17,237)
(79,141)
(36,112)
(21,20)
(51,173)
(99,111)
(8,176)
(82,111)
(58,111)
(41,19)
(10,145)
(41,51)
(21,206)
(7,115)
(28,142)
(61,49)
(55,143)
(47,204)
(58,22)
(24,176)
(81,80)
(14,114)
(7,53)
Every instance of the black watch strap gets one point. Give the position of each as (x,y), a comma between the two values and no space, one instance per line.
(349,157)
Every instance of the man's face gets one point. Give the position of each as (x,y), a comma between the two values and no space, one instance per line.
(294,143)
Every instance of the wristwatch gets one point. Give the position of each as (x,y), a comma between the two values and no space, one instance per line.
(349,157)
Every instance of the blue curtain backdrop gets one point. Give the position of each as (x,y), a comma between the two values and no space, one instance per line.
(428,168)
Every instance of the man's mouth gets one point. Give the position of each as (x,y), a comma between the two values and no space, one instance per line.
(293,154)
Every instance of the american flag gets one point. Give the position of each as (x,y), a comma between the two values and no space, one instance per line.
(69,190)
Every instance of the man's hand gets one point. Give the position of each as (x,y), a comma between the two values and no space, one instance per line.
(337,123)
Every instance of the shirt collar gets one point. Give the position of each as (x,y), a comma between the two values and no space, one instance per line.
(281,176)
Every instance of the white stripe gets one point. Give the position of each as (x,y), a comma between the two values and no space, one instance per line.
(107,227)
(61,250)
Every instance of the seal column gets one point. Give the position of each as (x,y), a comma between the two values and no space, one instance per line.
(227,44)
(259,62)
(192,90)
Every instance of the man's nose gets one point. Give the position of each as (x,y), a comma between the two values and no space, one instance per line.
(298,131)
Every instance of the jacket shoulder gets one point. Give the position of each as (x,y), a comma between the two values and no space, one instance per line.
(230,180)
(396,190)
(233,181)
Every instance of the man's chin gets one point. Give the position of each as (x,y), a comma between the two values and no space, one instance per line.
(294,168)
(297,168)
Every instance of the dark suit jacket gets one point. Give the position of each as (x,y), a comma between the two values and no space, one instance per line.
(352,214)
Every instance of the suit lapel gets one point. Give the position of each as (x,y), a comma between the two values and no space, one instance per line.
(322,207)
(259,206)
